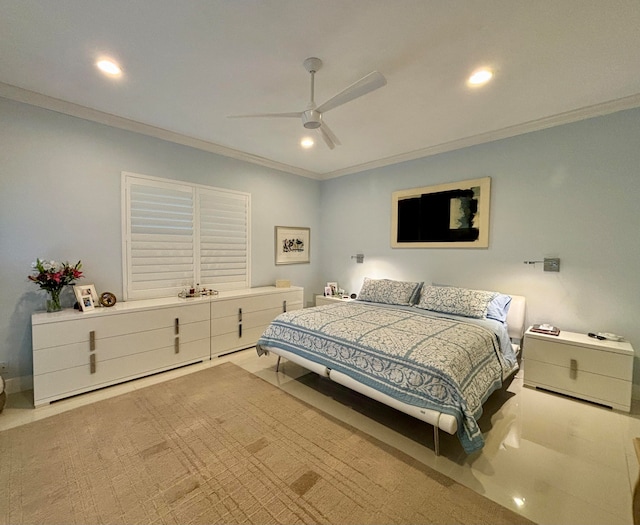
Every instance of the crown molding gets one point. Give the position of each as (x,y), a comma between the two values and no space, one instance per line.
(567,117)
(75,110)
(68,108)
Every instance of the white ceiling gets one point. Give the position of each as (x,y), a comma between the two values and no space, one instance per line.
(188,64)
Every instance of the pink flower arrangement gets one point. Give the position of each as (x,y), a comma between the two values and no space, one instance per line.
(53,276)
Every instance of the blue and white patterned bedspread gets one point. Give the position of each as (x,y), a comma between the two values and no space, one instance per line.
(425,360)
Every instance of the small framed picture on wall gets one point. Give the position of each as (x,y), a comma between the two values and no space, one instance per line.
(292,245)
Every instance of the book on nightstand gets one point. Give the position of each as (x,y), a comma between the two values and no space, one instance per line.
(545,329)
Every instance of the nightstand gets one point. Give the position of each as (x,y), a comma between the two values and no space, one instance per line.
(577,365)
(328,299)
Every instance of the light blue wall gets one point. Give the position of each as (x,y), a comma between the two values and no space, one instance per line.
(571,192)
(60,199)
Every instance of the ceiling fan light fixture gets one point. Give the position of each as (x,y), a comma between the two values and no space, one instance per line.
(109,67)
(311,119)
(307,142)
(480,77)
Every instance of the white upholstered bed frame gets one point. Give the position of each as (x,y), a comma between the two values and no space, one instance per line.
(446,422)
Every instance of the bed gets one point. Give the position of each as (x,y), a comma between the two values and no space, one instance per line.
(433,352)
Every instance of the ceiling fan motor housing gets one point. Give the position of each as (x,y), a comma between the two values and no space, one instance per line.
(311,119)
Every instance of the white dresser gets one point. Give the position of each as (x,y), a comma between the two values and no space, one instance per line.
(75,352)
(574,364)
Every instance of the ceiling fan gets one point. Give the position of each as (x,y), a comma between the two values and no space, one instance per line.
(312,117)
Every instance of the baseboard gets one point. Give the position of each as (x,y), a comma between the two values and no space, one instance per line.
(18,384)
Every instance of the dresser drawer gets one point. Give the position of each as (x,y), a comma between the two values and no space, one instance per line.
(113,324)
(253,303)
(223,325)
(221,344)
(78,379)
(59,357)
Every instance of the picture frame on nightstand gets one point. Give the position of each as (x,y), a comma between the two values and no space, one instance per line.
(333,287)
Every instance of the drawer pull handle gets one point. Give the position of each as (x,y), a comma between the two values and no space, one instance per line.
(239,315)
(92,363)
(284,306)
(177,326)
(573,369)
(240,330)
(176,345)
(92,340)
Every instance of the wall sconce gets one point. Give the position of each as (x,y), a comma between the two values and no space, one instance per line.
(359,257)
(550,264)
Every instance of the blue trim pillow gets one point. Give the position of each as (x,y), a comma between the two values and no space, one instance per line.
(457,301)
(387,291)
(499,308)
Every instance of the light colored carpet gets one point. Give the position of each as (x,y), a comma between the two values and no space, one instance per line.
(219,446)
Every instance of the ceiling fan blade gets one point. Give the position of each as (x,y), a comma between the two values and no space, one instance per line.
(371,82)
(326,138)
(325,129)
(269,115)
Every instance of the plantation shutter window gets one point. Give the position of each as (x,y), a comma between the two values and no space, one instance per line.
(177,235)
(223,238)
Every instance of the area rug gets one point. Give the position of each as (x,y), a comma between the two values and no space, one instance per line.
(219,446)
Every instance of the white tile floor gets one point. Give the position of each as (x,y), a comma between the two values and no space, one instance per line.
(553,459)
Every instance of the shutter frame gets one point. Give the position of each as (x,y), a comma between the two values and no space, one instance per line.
(177,234)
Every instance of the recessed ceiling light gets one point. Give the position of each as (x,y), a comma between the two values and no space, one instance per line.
(109,67)
(307,142)
(481,76)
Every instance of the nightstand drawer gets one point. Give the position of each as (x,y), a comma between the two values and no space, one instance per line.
(586,359)
(598,388)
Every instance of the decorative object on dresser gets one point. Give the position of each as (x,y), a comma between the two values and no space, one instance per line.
(107,299)
(292,245)
(398,342)
(53,276)
(577,365)
(86,296)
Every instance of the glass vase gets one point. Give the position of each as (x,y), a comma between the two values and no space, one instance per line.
(53,302)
